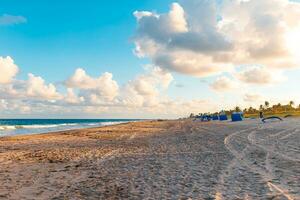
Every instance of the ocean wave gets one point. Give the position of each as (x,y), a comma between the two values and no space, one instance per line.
(112,123)
(92,124)
(8,127)
(13,127)
(63,126)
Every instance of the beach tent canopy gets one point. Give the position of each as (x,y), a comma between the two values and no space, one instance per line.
(237,116)
(205,117)
(215,117)
(223,116)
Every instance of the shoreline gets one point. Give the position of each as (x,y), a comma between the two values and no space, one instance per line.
(67,131)
(35,129)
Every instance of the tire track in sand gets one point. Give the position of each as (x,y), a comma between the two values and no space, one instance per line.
(240,161)
(252,140)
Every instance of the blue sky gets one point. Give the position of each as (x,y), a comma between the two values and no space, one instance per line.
(59,37)
(63,35)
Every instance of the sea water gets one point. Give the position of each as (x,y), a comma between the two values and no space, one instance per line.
(10,127)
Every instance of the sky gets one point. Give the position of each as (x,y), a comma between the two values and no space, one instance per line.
(146,58)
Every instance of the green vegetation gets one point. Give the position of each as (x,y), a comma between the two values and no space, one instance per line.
(277,109)
(267,109)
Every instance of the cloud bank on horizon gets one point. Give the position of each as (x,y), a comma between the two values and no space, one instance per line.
(84,93)
(240,43)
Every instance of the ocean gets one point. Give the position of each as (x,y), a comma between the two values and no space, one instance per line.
(9,127)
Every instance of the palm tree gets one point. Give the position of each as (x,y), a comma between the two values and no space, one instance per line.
(237,109)
(267,104)
(250,110)
(291,103)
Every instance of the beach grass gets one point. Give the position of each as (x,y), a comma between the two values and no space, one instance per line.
(278,114)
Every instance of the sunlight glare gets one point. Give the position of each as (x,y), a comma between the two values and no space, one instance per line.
(293,42)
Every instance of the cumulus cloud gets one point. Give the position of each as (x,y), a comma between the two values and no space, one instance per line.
(145,89)
(191,64)
(33,88)
(201,39)
(72,98)
(11,19)
(14,106)
(159,27)
(145,95)
(260,76)
(176,19)
(223,83)
(37,88)
(104,86)
(8,70)
(83,92)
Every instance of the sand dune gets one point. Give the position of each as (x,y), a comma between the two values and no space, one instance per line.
(155,160)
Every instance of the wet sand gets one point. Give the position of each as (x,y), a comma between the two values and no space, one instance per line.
(180,159)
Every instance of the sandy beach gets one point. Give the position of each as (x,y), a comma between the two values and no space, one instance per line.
(180,159)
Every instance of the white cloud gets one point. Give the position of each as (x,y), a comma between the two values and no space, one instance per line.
(191,63)
(14,106)
(161,26)
(176,18)
(11,19)
(72,98)
(223,83)
(144,96)
(3,104)
(103,86)
(145,89)
(8,70)
(36,88)
(81,80)
(200,39)
(140,14)
(260,76)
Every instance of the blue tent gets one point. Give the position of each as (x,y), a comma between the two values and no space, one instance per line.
(215,117)
(205,118)
(223,117)
(237,116)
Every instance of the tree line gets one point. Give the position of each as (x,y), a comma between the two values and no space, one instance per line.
(265,108)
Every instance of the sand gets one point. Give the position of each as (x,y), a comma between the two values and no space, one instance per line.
(179,159)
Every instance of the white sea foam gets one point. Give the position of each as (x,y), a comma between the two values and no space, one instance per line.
(7,127)
(55,127)
(13,127)
(113,123)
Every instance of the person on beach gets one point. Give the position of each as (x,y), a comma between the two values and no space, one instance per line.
(261,114)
